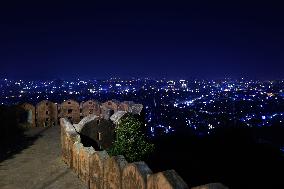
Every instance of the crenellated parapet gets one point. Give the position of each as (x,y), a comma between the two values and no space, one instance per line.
(47,113)
(90,107)
(99,170)
(70,109)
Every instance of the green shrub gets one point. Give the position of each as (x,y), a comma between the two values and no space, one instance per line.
(130,140)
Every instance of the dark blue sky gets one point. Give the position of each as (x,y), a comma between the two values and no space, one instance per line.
(205,39)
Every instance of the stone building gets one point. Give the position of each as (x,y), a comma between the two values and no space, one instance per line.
(46,114)
(70,109)
(90,107)
(30,114)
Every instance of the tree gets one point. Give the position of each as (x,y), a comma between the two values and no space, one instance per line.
(130,140)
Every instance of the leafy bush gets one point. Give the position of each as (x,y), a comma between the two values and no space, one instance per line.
(130,140)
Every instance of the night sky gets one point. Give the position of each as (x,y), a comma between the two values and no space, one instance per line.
(203,39)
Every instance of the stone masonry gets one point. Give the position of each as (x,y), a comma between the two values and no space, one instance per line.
(99,170)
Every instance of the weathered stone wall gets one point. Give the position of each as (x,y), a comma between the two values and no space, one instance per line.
(111,104)
(85,155)
(124,106)
(46,114)
(113,172)
(95,168)
(166,180)
(100,171)
(134,175)
(70,109)
(106,113)
(90,107)
(30,114)
(211,186)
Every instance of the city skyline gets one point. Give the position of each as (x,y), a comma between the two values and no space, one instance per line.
(205,104)
(150,39)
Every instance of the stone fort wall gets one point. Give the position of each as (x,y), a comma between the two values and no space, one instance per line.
(98,170)
(47,113)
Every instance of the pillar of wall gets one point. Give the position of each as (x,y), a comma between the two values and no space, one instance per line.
(135,175)
(68,137)
(124,106)
(46,112)
(77,146)
(85,156)
(90,107)
(166,180)
(113,172)
(111,104)
(97,169)
(70,109)
(211,186)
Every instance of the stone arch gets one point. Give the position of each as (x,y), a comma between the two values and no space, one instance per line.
(30,114)
(166,180)
(113,172)
(46,114)
(70,109)
(97,169)
(135,174)
(90,107)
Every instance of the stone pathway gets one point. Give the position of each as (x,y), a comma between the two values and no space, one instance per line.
(39,166)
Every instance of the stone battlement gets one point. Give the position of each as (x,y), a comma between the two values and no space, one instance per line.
(47,113)
(97,169)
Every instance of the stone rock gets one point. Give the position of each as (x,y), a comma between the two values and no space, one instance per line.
(84,163)
(84,121)
(166,180)
(136,109)
(70,109)
(75,156)
(97,169)
(135,175)
(68,138)
(115,118)
(90,107)
(113,172)
(46,114)
(211,186)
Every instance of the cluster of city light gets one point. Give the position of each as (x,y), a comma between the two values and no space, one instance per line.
(206,97)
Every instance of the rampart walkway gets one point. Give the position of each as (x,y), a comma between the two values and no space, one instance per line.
(39,166)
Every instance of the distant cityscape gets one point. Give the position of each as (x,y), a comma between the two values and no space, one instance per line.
(197,106)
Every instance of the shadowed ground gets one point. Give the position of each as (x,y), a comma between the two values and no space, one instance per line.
(39,165)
